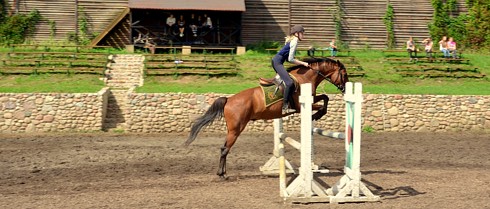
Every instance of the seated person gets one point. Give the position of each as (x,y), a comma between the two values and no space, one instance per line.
(443,47)
(311,51)
(170,24)
(181,24)
(451,47)
(333,48)
(208,24)
(193,24)
(428,47)
(411,49)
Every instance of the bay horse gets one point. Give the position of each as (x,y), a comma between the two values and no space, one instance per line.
(249,104)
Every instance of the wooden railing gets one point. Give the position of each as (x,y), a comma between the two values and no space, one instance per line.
(199,64)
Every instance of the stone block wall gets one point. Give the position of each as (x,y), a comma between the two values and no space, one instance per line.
(52,112)
(426,113)
(174,112)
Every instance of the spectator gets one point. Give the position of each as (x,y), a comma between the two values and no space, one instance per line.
(333,48)
(411,49)
(428,47)
(443,47)
(311,51)
(193,24)
(451,48)
(200,22)
(181,24)
(170,23)
(208,23)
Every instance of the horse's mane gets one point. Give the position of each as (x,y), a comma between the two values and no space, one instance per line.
(311,60)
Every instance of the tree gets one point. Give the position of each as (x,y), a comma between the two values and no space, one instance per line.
(478,24)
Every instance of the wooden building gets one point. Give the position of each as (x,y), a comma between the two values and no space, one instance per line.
(241,22)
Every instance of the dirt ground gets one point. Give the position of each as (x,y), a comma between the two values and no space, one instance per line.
(103,170)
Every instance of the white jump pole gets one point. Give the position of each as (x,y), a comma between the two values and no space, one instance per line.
(331,134)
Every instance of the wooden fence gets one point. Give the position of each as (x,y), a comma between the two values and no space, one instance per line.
(263,20)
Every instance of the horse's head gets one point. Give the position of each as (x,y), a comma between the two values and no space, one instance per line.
(331,70)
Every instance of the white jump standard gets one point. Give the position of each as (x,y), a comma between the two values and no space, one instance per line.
(305,188)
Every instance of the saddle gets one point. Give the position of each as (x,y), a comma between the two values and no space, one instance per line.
(273,89)
(270,81)
(277,81)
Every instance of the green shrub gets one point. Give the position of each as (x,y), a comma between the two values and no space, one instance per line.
(14,29)
(263,45)
(390,29)
(368,129)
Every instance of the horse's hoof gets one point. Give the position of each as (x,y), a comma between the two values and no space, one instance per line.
(223,177)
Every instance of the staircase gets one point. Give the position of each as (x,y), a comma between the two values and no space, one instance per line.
(124,72)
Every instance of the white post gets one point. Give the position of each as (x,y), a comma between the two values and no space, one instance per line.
(278,130)
(306,101)
(356,164)
(282,172)
(271,167)
(304,188)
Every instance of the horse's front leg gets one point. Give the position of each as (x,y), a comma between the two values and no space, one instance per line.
(322,109)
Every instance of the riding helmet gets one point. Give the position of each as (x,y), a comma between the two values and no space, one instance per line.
(296,29)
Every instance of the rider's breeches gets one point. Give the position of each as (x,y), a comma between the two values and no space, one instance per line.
(278,66)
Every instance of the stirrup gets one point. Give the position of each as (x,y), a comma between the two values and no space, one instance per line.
(288,111)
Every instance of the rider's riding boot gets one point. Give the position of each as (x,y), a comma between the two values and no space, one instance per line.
(286,110)
(285,107)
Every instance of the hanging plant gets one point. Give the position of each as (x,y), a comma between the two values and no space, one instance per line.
(388,20)
(337,15)
(52,28)
(83,35)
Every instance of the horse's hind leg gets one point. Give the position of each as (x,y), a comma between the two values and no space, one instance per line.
(235,127)
(231,138)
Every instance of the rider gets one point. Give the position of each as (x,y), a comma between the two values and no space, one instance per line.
(287,53)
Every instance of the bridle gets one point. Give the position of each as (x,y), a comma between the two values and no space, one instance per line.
(340,87)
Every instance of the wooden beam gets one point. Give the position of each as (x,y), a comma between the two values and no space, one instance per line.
(110,27)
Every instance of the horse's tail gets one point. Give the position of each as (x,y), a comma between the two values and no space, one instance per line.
(215,111)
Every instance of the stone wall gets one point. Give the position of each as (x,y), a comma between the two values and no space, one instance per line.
(174,112)
(52,112)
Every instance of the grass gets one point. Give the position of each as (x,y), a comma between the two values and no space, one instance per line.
(380,79)
(51,83)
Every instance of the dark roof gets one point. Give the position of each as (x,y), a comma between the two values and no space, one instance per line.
(215,5)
